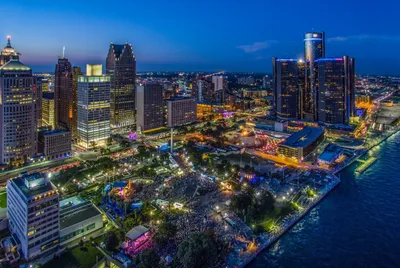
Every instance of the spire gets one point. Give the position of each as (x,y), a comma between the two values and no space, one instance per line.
(63,52)
(9,41)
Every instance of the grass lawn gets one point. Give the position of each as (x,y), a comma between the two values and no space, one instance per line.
(3,200)
(78,257)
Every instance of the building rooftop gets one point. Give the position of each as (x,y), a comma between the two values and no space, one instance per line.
(72,201)
(81,213)
(55,132)
(303,137)
(14,65)
(137,232)
(34,184)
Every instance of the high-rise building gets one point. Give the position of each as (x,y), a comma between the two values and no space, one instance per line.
(220,87)
(121,67)
(314,48)
(8,53)
(48,118)
(33,213)
(204,91)
(76,72)
(288,77)
(63,93)
(149,106)
(55,144)
(181,111)
(93,107)
(335,79)
(18,134)
(37,94)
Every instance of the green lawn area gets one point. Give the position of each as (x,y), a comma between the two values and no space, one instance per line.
(78,257)
(3,200)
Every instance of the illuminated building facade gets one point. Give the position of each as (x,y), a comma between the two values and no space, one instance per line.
(8,53)
(93,107)
(33,213)
(288,77)
(55,144)
(204,91)
(63,93)
(48,118)
(76,72)
(181,111)
(149,106)
(336,89)
(220,87)
(314,48)
(121,67)
(18,134)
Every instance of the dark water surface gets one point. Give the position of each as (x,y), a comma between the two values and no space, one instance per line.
(356,225)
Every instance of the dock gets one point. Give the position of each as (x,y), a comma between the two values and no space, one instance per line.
(365,164)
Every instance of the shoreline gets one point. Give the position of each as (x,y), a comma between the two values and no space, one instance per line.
(276,238)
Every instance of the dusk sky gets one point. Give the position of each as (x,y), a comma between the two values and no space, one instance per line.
(208,35)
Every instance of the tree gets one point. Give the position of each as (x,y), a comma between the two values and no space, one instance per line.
(111,240)
(165,231)
(148,258)
(198,250)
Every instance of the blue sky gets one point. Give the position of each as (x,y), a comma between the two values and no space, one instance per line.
(207,35)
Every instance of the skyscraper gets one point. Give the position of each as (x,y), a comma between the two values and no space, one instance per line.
(220,87)
(288,77)
(18,134)
(121,67)
(93,107)
(8,53)
(149,106)
(33,213)
(204,91)
(48,118)
(76,72)
(335,79)
(63,93)
(314,48)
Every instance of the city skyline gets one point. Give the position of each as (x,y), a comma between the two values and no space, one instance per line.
(211,42)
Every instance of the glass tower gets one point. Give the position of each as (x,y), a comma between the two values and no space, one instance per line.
(314,48)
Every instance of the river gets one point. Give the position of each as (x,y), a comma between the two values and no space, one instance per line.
(356,225)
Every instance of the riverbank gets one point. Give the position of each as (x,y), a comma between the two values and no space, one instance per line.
(268,240)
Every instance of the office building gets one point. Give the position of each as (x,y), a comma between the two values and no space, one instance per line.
(37,96)
(149,106)
(76,72)
(220,87)
(288,77)
(78,218)
(300,144)
(204,91)
(336,92)
(63,94)
(121,67)
(18,126)
(8,53)
(93,107)
(314,48)
(181,111)
(55,144)
(33,213)
(48,117)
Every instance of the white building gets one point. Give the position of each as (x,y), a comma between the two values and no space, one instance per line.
(33,213)
(93,107)
(18,137)
(78,219)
